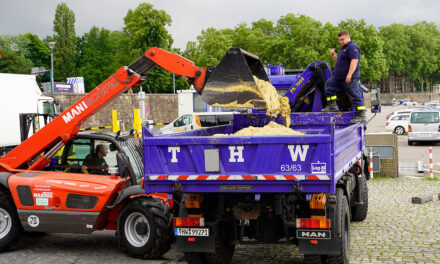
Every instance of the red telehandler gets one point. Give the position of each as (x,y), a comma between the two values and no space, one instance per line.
(42,188)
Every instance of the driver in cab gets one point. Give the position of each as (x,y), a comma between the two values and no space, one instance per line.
(96,162)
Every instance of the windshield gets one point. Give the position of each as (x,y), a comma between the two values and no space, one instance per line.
(133,148)
(424,117)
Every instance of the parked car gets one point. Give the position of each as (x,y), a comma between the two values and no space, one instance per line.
(390,103)
(399,112)
(432,103)
(398,124)
(423,126)
(401,101)
(407,103)
(194,121)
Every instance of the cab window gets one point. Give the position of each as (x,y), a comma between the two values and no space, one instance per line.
(208,121)
(224,119)
(187,120)
(178,122)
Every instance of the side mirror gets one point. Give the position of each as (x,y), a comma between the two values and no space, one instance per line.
(122,165)
(375,100)
(58,108)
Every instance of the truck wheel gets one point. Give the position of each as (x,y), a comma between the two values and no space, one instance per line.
(194,258)
(314,259)
(342,220)
(359,212)
(224,245)
(10,226)
(145,228)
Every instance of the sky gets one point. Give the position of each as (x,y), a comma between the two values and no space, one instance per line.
(190,17)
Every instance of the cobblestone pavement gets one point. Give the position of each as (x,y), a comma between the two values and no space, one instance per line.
(395,231)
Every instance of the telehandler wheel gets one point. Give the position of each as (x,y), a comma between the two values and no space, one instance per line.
(145,228)
(359,212)
(10,226)
(342,220)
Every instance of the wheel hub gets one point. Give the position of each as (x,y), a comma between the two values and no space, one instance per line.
(5,223)
(141,228)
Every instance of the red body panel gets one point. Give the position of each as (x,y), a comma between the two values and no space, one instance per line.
(53,188)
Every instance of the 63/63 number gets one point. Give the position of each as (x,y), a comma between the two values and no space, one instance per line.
(291,167)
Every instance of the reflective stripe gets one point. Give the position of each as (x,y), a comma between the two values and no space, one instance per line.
(331,98)
(360,107)
(238,177)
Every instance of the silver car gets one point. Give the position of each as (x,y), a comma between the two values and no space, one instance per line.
(424,125)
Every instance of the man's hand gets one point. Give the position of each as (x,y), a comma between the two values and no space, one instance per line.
(348,78)
(332,52)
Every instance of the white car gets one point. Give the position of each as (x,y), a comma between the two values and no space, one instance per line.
(409,103)
(398,124)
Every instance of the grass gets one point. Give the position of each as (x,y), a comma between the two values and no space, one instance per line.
(435,178)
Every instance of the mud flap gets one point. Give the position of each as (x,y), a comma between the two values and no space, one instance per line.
(195,244)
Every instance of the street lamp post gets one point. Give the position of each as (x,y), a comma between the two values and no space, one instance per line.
(51,46)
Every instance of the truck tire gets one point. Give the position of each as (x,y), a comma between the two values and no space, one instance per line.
(145,228)
(224,245)
(10,226)
(194,257)
(342,220)
(314,259)
(359,212)
(224,248)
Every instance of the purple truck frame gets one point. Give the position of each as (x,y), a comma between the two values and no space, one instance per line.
(197,162)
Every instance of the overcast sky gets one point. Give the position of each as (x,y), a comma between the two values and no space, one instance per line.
(191,16)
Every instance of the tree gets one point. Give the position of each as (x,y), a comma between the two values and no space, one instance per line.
(15,53)
(145,27)
(97,52)
(65,38)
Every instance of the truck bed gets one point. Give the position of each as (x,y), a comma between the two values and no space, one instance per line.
(197,162)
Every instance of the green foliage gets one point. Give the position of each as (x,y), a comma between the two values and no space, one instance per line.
(96,59)
(294,40)
(65,47)
(145,27)
(15,53)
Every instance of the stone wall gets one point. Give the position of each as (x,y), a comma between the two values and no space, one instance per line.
(388,167)
(163,108)
(417,97)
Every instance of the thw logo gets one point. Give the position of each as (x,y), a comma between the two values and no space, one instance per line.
(298,150)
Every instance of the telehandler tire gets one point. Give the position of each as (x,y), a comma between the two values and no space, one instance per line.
(10,226)
(145,228)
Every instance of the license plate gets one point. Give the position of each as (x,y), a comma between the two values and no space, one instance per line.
(191,232)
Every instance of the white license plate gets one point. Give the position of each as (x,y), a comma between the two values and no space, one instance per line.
(191,232)
(424,135)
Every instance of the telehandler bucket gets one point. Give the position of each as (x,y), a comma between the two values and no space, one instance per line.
(231,84)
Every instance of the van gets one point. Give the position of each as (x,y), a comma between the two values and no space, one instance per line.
(21,95)
(193,121)
(423,126)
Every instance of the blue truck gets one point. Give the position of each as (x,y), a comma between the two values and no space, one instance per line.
(302,190)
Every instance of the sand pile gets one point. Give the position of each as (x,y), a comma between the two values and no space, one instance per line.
(271,129)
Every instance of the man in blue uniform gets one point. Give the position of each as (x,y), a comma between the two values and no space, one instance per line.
(346,78)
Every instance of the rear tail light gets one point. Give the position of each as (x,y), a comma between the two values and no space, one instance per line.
(312,223)
(387,123)
(439,128)
(188,221)
(409,128)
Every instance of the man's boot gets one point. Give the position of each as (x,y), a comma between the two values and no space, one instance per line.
(360,117)
(331,107)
